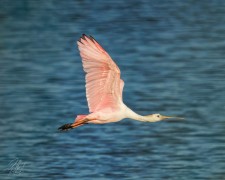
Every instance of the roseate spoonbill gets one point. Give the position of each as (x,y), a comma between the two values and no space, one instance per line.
(104,88)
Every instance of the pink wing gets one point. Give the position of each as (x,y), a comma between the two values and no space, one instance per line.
(103,84)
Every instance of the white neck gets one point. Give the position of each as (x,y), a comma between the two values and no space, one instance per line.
(132,115)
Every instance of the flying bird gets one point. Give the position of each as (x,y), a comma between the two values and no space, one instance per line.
(104,88)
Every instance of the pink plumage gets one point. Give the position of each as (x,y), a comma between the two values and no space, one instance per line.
(103,84)
(104,88)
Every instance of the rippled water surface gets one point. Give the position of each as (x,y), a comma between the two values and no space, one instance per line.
(171,55)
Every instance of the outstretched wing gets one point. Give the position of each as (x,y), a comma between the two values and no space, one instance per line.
(103,84)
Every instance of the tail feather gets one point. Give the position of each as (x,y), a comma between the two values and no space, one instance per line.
(80,117)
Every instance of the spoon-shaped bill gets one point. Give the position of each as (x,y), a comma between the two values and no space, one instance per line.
(174,117)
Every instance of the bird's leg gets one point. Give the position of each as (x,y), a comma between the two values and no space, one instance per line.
(69,126)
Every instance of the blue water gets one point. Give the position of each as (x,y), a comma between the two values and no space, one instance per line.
(172,58)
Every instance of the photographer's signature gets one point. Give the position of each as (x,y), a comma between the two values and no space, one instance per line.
(16,166)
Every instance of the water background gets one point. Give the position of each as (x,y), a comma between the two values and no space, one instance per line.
(172,58)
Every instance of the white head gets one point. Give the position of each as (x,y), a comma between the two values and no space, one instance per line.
(159,117)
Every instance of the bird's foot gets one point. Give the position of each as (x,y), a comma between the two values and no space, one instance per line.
(66,127)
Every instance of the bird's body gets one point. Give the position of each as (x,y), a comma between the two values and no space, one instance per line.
(108,115)
(104,88)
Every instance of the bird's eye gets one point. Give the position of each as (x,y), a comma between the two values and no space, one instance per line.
(158,116)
